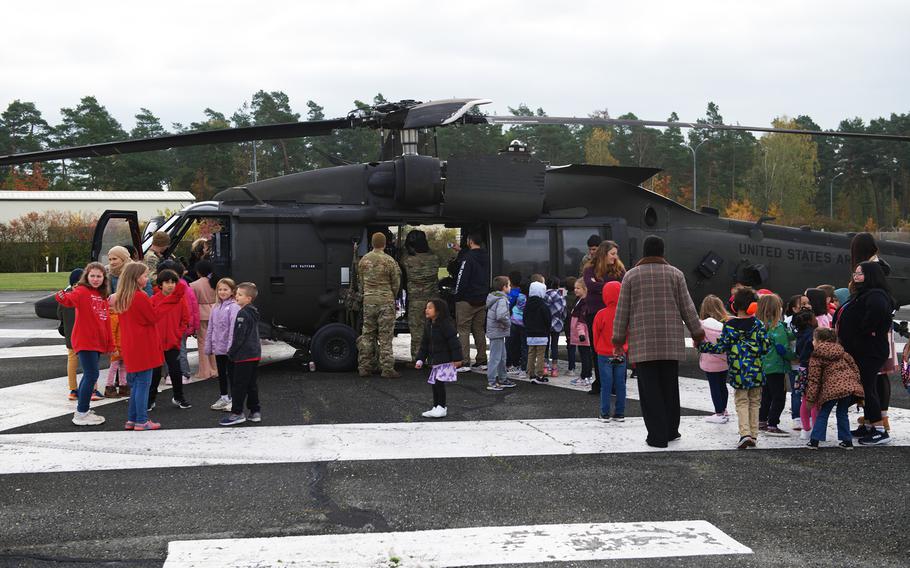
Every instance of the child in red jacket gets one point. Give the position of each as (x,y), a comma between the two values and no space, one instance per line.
(172,317)
(91,334)
(612,369)
(140,346)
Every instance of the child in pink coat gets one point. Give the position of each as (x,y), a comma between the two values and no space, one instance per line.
(713,315)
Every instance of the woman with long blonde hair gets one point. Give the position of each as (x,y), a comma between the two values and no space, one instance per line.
(140,345)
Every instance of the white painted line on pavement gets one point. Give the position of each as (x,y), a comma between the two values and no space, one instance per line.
(8,303)
(474,546)
(30,334)
(85,450)
(28,403)
(33,351)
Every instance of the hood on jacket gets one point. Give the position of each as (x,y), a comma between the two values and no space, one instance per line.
(827,350)
(493,297)
(738,327)
(712,324)
(480,255)
(75,275)
(610,293)
(537,289)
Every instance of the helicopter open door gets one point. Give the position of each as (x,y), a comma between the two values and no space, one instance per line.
(115,228)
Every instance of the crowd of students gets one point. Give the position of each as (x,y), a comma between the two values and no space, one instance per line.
(141,320)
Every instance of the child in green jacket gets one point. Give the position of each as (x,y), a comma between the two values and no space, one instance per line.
(775,364)
(745,342)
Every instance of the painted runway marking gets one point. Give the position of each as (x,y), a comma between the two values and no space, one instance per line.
(85,450)
(33,351)
(42,400)
(8,303)
(474,546)
(30,334)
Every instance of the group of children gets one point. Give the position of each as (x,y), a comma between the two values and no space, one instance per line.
(758,343)
(114,310)
(523,330)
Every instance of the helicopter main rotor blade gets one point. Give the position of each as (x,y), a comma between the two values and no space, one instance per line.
(242,134)
(567,120)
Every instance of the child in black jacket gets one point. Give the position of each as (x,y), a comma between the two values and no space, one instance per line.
(537,329)
(245,353)
(441,348)
(804,323)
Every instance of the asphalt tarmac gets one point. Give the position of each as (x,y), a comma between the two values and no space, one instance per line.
(791,507)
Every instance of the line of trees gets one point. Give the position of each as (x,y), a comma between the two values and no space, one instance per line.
(786,176)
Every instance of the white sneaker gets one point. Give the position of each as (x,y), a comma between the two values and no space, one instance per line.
(463,369)
(571,373)
(87,419)
(716,419)
(221,404)
(439,412)
(797,425)
(804,435)
(429,413)
(482,368)
(521,375)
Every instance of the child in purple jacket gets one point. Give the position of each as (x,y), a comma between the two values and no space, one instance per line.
(218,338)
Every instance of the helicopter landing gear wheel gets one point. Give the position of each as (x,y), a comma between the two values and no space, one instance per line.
(334,348)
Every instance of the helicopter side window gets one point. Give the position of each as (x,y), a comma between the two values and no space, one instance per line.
(575,246)
(205,238)
(526,250)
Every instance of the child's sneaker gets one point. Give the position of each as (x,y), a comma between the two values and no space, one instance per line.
(96,395)
(554,371)
(232,419)
(876,438)
(619,418)
(540,380)
(508,383)
(129,425)
(762,426)
(110,392)
(604,417)
(578,381)
(124,391)
(254,417)
(222,404)
(775,431)
(151,406)
(716,419)
(149,425)
(181,404)
(845,445)
(804,435)
(797,425)
(571,373)
(494,387)
(812,444)
(521,375)
(73,395)
(512,371)
(743,443)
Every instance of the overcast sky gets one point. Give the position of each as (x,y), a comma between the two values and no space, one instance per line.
(757,60)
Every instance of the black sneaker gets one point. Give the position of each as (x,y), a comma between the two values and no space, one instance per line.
(862,431)
(743,443)
(812,444)
(619,418)
(844,445)
(604,417)
(182,404)
(876,438)
(507,383)
(540,380)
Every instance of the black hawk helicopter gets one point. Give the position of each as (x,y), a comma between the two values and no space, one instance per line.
(293,235)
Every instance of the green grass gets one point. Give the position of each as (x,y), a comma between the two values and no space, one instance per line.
(30,281)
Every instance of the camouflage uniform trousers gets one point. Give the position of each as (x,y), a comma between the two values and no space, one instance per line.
(417,321)
(378,327)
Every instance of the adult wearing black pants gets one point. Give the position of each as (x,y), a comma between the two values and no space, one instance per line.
(862,328)
(653,305)
(603,267)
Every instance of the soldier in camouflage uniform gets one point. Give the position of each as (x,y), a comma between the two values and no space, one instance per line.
(379,278)
(421,268)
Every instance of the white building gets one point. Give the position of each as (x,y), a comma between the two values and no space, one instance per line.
(147,204)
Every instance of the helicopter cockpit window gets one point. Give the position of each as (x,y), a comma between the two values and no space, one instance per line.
(205,238)
(527,251)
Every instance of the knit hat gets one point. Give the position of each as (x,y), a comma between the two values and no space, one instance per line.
(842,295)
(75,275)
(161,239)
(538,289)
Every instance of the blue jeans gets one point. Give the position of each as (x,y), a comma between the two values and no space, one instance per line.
(612,377)
(89,362)
(796,397)
(496,363)
(139,396)
(843,421)
(717,382)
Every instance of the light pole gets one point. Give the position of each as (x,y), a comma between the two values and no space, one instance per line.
(831,195)
(695,172)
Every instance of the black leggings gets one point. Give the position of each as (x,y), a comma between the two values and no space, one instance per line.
(868,374)
(884,391)
(172,360)
(773,397)
(225,370)
(439,394)
(592,355)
